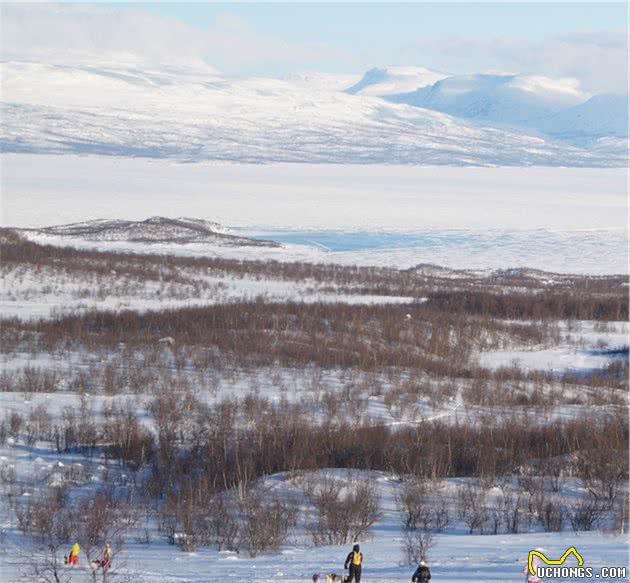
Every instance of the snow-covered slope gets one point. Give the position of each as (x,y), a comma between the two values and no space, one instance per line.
(191,114)
(152,230)
(496,98)
(602,115)
(393,80)
(455,555)
(321,81)
(554,107)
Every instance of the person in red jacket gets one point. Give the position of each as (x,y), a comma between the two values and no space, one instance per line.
(354,561)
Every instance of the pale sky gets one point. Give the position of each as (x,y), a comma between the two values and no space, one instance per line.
(586,41)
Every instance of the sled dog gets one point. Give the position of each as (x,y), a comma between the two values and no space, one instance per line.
(328,578)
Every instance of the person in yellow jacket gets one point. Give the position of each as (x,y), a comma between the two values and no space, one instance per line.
(73,557)
(354,561)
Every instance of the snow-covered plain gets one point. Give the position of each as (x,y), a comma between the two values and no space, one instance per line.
(556,219)
(44,190)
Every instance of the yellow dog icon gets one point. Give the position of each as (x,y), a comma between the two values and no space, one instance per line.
(560,561)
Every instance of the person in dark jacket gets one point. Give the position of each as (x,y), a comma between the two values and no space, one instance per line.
(354,561)
(422,574)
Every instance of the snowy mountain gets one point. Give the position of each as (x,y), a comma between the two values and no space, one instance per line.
(192,114)
(393,80)
(318,80)
(602,115)
(152,230)
(505,99)
(553,107)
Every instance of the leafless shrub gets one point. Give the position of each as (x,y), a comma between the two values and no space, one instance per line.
(46,565)
(440,515)
(412,503)
(343,512)
(621,513)
(15,423)
(223,523)
(144,538)
(104,517)
(46,518)
(183,521)
(472,506)
(8,474)
(553,472)
(416,545)
(533,488)
(266,520)
(34,380)
(552,516)
(113,381)
(7,381)
(4,431)
(603,472)
(39,425)
(126,438)
(512,507)
(586,513)
(420,517)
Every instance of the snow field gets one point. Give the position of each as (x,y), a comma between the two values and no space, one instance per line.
(456,555)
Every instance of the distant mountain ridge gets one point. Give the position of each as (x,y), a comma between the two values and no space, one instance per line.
(398,115)
(601,115)
(499,98)
(152,230)
(393,80)
(556,108)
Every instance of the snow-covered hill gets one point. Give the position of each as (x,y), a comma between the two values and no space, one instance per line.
(318,80)
(602,115)
(555,107)
(195,114)
(394,80)
(495,98)
(152,230)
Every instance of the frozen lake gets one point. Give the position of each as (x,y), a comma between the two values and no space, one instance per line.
(363,240)
(596,251)
(555,219)
(341,241)
(40,190)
